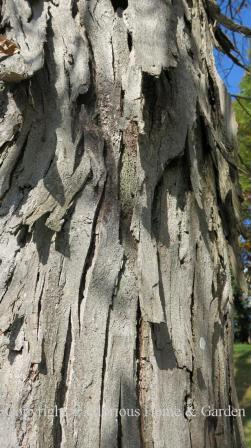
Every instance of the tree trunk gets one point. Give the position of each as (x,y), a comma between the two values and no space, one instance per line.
(118,223)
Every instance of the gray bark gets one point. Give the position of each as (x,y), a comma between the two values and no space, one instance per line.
(119,205)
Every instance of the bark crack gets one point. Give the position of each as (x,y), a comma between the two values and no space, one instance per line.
(138,366)
(62,388)
(120,431)
(90,257)
(104,369)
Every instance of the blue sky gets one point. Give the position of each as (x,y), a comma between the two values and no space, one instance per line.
(230,72)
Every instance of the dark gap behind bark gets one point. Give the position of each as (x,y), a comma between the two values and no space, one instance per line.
(122,4)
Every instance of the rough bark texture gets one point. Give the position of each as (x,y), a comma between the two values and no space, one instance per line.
(118,221)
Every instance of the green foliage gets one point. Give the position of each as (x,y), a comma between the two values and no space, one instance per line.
(242,363)
(242,108)
(241,319)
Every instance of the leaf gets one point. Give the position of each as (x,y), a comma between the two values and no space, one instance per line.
(7,47)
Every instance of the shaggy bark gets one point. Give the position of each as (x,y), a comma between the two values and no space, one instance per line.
(118,221)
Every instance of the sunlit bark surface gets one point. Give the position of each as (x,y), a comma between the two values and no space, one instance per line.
(117,223)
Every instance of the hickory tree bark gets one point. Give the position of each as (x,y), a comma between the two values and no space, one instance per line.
(118,222)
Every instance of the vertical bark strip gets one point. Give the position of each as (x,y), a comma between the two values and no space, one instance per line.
(118,227)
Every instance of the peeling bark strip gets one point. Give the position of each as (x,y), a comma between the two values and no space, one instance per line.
(117,225)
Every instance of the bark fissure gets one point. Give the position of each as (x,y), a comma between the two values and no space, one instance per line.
(119,423)
(39,305)
(104,369)
(138,344)
(90,255)
(62,388)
